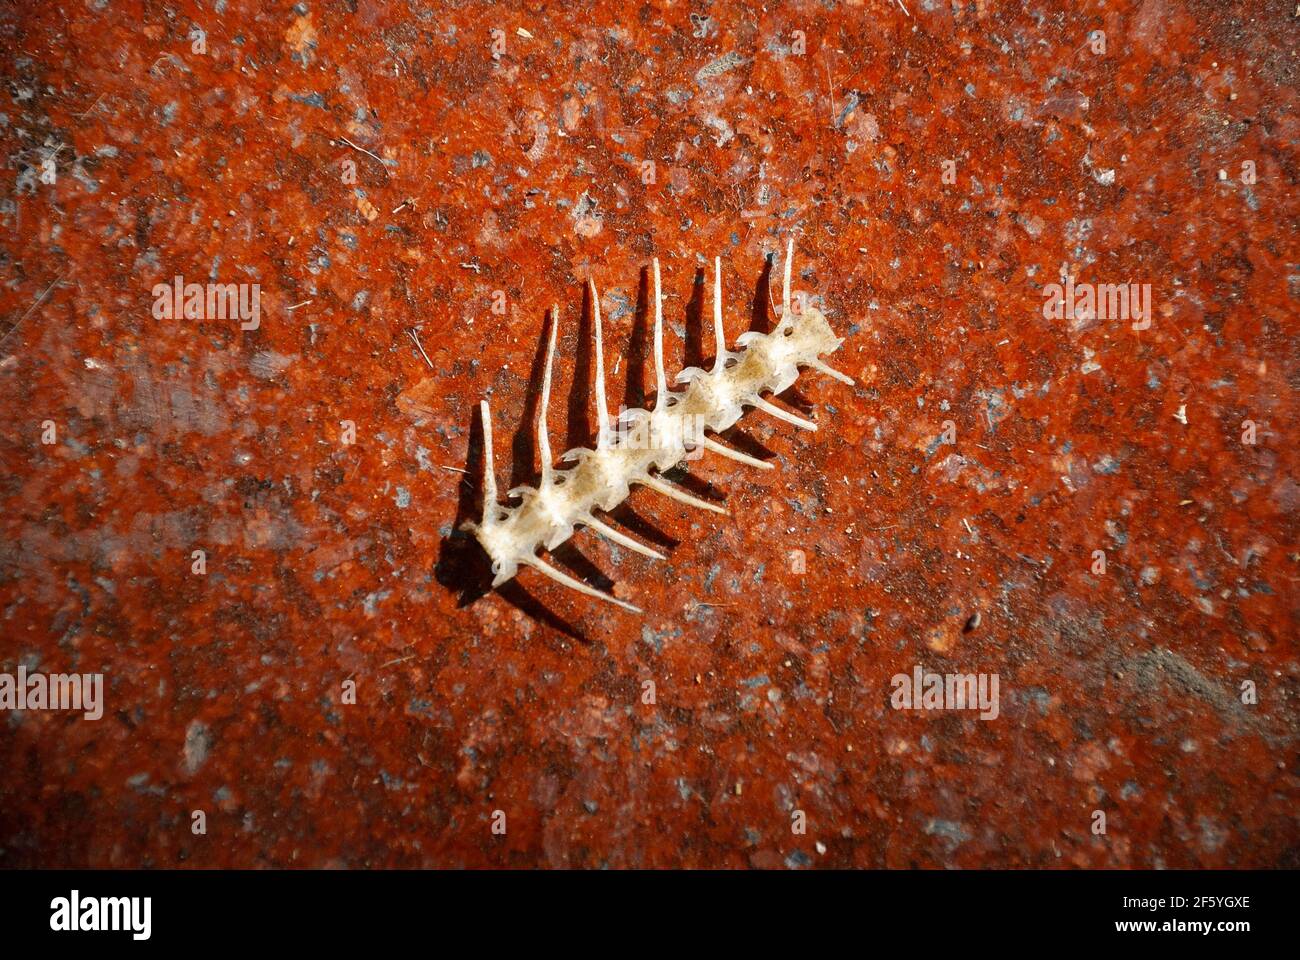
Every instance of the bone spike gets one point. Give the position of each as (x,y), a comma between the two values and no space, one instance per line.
(668,490)
(543,435)
(661,379)
(547,570)
(785,288)
(775,411)
(831,372)
(718,448)
(489,470)
(719,338)
(622,539)
(602,411)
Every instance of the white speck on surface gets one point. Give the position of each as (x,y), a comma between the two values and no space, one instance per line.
(198,741)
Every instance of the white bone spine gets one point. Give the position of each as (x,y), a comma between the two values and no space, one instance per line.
(660,438)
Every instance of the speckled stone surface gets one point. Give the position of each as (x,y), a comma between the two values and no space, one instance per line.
(569,146)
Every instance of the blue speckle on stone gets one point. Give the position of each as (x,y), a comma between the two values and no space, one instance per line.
(655,638)
(309,99)
(948,829)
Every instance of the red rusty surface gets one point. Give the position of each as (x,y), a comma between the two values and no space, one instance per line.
(525,173)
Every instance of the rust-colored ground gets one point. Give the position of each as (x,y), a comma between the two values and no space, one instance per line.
(526,173)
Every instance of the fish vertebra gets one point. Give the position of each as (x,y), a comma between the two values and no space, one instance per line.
(564,500)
